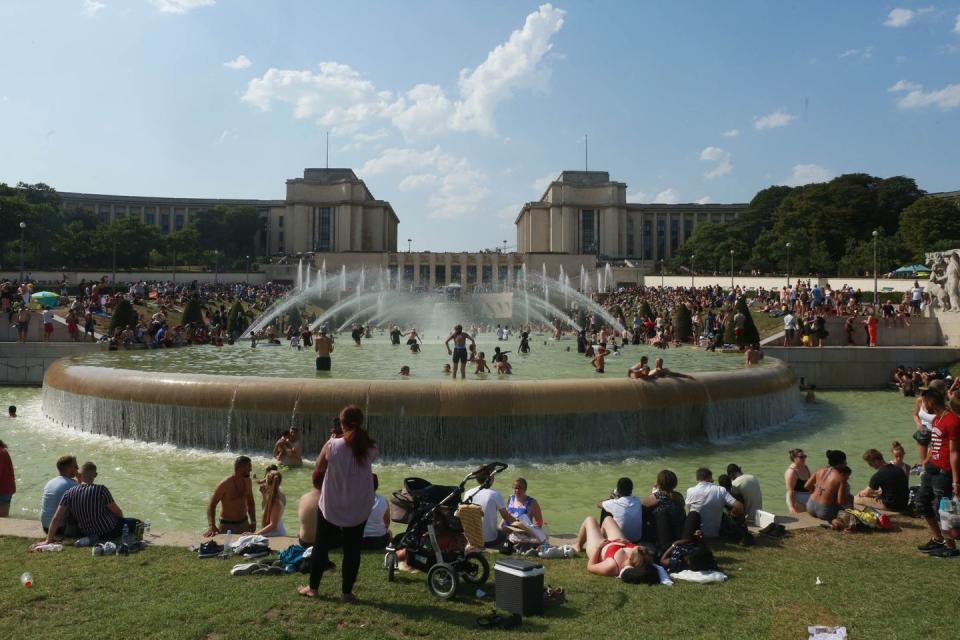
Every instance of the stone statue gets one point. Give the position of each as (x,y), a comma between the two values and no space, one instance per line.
(938,294)
(953,280)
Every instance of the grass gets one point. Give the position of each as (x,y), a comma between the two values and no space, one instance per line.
(876,585)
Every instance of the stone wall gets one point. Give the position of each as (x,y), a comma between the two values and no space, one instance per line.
(26,364)
(858,367)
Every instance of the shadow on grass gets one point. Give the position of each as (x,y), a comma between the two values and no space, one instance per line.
(464,619)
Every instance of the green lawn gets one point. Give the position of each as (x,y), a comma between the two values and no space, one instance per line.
(875,584)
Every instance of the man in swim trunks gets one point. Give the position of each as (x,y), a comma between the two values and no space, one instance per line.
(598,360)
(459,352)
(235,496)
(395,335)
(323,345)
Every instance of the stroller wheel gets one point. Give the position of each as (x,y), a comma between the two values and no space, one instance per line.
(390,564)
(475,568)
(442,581)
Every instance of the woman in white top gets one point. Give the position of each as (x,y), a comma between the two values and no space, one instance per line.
(274,504)
(376,533)
(924,421)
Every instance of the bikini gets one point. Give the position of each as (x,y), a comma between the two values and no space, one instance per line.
(610,549)
(818,509)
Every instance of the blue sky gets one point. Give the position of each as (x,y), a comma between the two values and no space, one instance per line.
(458,112)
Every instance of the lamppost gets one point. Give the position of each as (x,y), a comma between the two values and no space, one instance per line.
(731,270)
(23,226)
(216,266)
(788,263)
(693,260)
(661,273)
(876,297)
(247,275)
(409,244)
(114,262)
(504,246)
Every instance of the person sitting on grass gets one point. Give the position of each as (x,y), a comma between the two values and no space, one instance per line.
(53,493)
(708,501)
(609,554)
(91,505)
(689,554)
(827,488)
(888,487)
(626,510)
(376,533)
(492,503)
(666,508)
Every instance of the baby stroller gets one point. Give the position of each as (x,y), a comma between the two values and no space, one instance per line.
(438,526)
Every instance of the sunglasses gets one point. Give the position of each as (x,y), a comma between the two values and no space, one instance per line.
(802,455)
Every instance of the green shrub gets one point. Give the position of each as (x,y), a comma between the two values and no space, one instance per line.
(123,316)
(682,324)
(193,312)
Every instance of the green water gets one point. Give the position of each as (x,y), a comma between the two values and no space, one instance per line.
(170,486)
(377,358)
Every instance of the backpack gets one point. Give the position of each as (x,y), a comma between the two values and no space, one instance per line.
(292,558)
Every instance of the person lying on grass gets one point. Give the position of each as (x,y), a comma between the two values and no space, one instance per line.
(609,554)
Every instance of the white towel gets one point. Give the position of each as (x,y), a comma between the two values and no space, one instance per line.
(702,577)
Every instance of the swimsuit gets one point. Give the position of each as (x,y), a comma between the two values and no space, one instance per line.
(818,509)
(459,353)
(610,549)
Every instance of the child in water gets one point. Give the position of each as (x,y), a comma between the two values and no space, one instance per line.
(598,360)
(503,366)
(481,360)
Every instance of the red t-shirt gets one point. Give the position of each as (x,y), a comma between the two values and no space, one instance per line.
(946,428)
(8,486)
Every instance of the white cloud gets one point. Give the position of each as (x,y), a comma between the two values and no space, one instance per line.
(732,133)
(806,174)
(338,96)
(721,157)
(667,196)
(916,98)
(637,196)
(899,17)
(778,118)
(540,184)
(457,188)
(228,134)
(863,54)
(181,6)
(904,85)
(240,62)
(92,8)
(956,25)
(704,200)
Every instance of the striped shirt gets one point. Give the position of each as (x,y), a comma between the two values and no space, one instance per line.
(88,504)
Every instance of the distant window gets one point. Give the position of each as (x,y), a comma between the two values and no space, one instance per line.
(503,273)
(150,218)
(440,274)
(178,221)
(424,274)
(587,231)
(323,232)
(104,213)
(119,211)
(280,221)
(687,228)
(648,240)
(662,238)
(165,222)
(408,273)
(674,234)
(455,273)
(471,273)
(629,235)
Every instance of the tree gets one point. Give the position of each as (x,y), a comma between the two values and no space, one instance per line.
(193,313)
(711,243)
(646,311)
(750,334)
(929,221)
(758,216)
(185,243)
(123,316)
(682,324)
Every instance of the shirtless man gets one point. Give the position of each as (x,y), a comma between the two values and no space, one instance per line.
(659,371)
(752,356)
(502,366)
(323,345)
(459,352)
(23,323)
(289,449)
(639,370)
(235,496)
(598,360)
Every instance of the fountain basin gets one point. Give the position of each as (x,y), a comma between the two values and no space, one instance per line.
(422,419)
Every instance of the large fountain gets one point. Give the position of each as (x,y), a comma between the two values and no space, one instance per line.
(554,406)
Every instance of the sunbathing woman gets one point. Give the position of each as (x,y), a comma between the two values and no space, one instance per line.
(609,554)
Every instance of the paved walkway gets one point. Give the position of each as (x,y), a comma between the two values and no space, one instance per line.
(30,529)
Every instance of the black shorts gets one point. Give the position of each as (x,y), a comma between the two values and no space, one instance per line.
(323,363)
(460,355)
(935,483)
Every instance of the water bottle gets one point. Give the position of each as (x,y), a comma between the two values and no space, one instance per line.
(125,536)
(146,527)
(26,579)
(226,542)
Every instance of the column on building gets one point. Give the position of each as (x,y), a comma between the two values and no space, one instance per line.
(432,276)
(495,272)
(416,270)
(400,283)
(510,265)
(447,268)
(463,270)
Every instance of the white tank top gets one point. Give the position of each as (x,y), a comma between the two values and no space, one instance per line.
(926,419)
(374,527)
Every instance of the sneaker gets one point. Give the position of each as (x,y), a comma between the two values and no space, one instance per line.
(932,545)
(945,552)
(86,541)
(109,548)
(244,569)
(97,550)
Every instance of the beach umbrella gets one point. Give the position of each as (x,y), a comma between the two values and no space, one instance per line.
(45,298)
(913,270)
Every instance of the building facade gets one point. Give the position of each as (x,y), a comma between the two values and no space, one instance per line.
(585,213)
(327,210)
